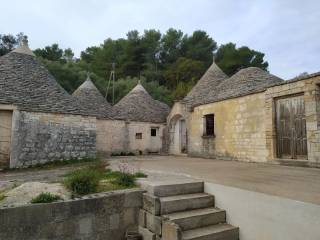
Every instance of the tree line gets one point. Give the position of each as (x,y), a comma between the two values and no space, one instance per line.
(168,64)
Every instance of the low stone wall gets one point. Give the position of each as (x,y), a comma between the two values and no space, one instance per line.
(98,216)
(43,137)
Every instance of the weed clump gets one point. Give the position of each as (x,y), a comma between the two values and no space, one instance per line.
(46,197)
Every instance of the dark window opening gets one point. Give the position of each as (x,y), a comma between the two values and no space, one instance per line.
(153,132)
(138,135)
(209,125)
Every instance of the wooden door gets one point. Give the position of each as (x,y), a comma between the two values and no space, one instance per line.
(5,137)
(291,128)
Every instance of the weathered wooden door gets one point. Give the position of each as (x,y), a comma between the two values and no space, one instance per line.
(291,128)
(5,137)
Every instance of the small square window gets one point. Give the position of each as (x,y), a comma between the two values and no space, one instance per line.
(209,125)
(138,135)
(153,132)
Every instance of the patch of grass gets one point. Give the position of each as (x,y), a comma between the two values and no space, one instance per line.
(46,197)
(96,178)
(116,154)
(125,179)
(140,174)
(83,181)
(2,197)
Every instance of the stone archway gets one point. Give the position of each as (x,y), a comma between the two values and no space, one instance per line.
(178,135)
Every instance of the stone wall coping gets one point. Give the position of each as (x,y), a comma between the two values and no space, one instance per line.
(82,198)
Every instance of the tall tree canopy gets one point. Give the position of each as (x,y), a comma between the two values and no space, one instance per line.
(169,63)
(231,59)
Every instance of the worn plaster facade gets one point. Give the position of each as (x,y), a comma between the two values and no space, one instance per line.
(116,136)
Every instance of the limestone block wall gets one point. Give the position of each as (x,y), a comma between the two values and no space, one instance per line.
(240,132)
(41,137)
(115,136)
(99,216)
(311,92)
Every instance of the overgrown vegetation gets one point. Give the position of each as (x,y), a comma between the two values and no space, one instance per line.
(97,178)
(140,174)
(46,197)
(115,154)
(2,196)
(169,63)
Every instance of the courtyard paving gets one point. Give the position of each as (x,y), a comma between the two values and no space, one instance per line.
(298,183)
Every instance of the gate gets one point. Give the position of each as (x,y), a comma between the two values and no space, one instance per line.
(291,128)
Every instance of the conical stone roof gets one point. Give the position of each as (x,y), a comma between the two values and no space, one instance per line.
(247,81)
(139,106)
(206,85)
(91,98)
(26,83)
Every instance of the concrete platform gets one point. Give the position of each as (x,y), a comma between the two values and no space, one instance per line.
(297,183)
(264,201)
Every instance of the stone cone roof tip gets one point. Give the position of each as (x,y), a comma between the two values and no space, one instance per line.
(23,48)
(139,87)
(91,99)
(138,105)
(206,84)
(87,84)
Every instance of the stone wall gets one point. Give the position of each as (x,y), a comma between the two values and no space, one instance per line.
(239,129)
(310,90)
(111,136)
(42,137)
(115,136)
(99,216)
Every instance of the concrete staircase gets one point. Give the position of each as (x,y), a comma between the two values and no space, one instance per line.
(182,211)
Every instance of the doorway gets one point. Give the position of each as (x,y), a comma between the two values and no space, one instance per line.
(5,138)
(291,128)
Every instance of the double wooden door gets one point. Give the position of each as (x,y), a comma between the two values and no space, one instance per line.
(291,128)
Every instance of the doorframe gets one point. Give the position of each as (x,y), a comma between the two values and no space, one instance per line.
(275,138)
(11,109)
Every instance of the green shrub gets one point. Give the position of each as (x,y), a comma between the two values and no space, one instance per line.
(46,197)
(124,179)
(2,196)
(140,175)
(83,181)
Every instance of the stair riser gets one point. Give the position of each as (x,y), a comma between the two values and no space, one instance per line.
(186,204)
(201,221)
(225,235)
(178,189)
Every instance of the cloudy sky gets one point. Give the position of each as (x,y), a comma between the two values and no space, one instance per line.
(287,31)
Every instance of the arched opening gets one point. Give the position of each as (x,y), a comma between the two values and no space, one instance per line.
(178,135)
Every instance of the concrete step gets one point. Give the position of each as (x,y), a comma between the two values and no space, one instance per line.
(169,188)
(212,232)
(197,218)
(185,202)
